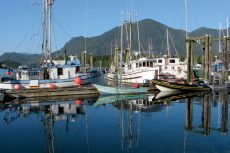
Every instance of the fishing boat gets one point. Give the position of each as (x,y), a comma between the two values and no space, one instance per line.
(174,86)
(134,68)
(135,71)
(170,62)
(51,73)
(119,90)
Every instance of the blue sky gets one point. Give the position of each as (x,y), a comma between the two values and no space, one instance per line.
(20,26)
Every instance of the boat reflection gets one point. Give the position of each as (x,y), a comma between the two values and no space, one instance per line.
(49,113)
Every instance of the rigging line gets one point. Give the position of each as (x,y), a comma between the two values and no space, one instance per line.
(54,38)
(55,19)
(22,40)
(161,51)
(173,45)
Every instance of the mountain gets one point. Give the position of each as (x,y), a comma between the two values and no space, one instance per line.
(149,29)
(21,58)
(101,45)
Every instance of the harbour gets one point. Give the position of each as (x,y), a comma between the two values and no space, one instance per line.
(114,81)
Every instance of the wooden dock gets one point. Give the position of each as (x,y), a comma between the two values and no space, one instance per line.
(46,92)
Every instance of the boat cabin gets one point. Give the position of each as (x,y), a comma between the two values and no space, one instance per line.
(60,69)
(141,63)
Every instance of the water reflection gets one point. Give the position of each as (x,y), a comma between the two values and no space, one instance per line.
(205,119)
(124,123)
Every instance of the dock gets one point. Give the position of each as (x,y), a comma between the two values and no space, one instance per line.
(47,92)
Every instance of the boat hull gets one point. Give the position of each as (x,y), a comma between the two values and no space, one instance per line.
(166,89)
(28,84)
(167,86)
(110,90)
(136,76)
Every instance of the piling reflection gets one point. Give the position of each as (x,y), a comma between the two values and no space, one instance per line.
(220,98)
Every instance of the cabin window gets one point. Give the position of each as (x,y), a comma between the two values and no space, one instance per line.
(147,64)
(136,65)
(151,64)
(129,66)
(160,61)
(77,69)
(166,67)
(60,71)
(173,67)
(172,61)
(144,64)
(140,64)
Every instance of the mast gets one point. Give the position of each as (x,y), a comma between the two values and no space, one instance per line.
(121,52)
(168,47)
(219,38)
(186,19)
(130,36)
(46,42)
(186,31)
(138,37)
(227,27)
(86,23)
(150,47)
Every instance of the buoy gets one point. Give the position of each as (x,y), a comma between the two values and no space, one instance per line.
(17,86)
(78,102)
(135,85)
(78,80)
(52,86)
(8,73)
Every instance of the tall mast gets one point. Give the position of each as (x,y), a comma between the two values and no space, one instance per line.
(227,27)
(219,38)
(186,19)
(186,31)
(121,57)
(168,48)
(46,43)
(138,37)
(86,23)
(130,36)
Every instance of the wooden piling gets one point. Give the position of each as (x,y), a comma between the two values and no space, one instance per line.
(189,42)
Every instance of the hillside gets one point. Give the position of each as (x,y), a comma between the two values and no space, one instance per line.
(101,45)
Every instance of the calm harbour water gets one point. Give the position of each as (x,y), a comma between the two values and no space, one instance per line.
(117,124)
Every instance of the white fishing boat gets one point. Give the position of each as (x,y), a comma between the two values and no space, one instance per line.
(52,73)
(171,63)
(136,71)
(135,68)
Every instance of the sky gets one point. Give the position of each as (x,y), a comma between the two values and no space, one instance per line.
(21,20)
